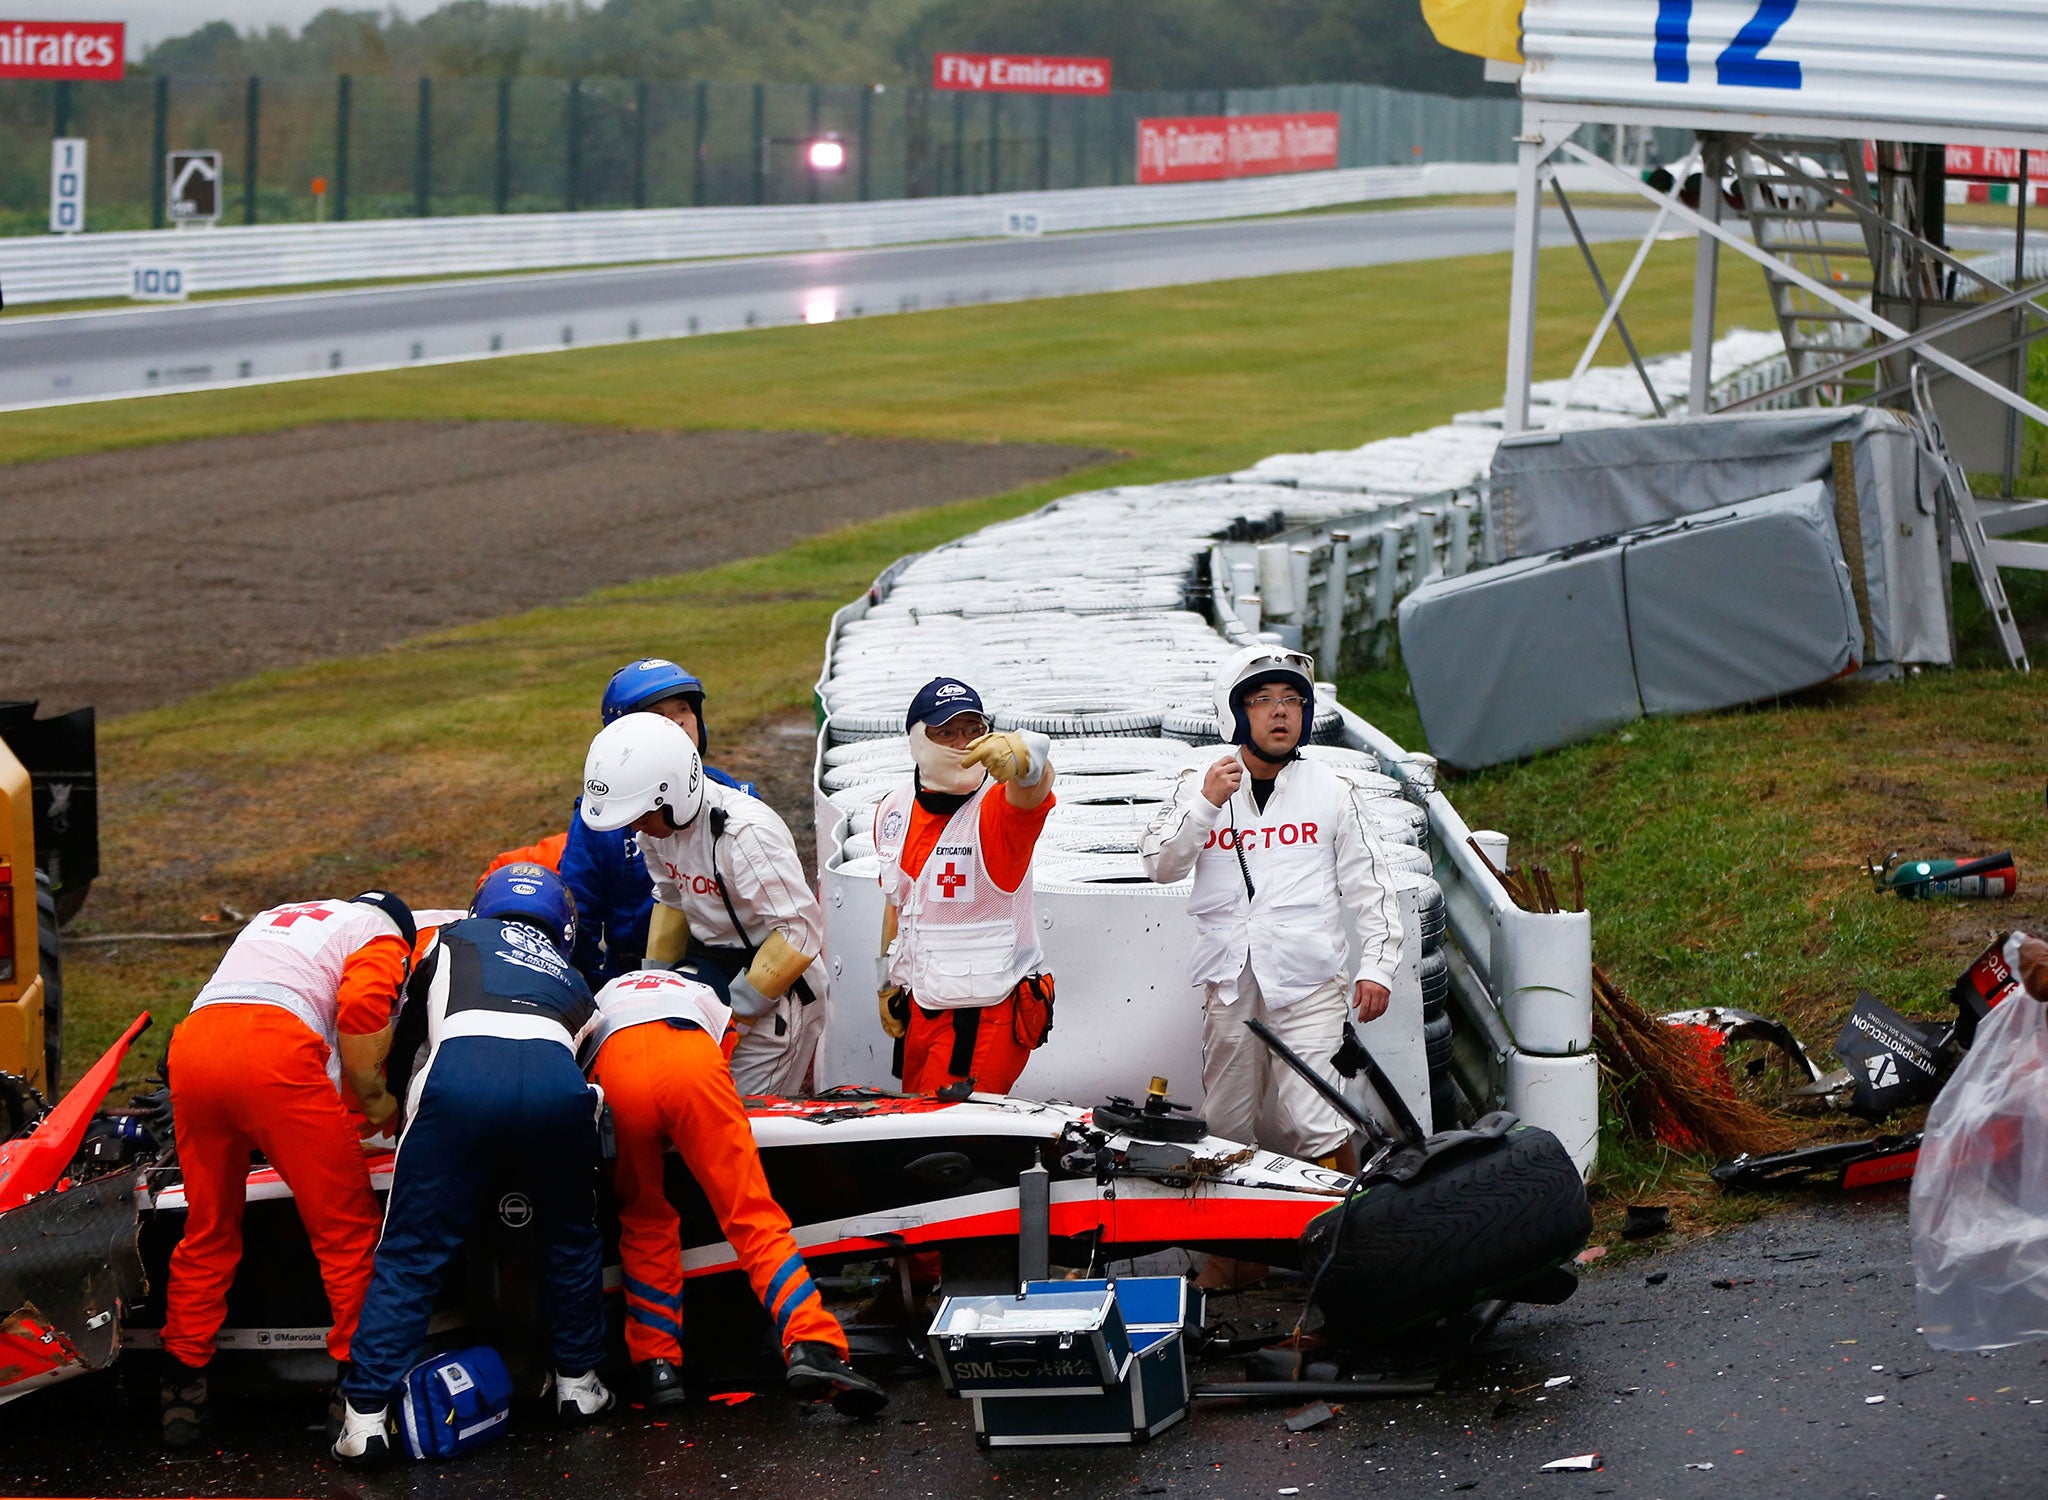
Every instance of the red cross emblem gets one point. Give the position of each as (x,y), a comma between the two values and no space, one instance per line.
(949,881)
(286,915)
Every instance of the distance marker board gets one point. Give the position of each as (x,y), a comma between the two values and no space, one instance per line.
(192,186)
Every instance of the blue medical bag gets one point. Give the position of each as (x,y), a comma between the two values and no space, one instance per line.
(455,1402)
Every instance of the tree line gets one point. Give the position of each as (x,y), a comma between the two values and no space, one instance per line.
(1154,44)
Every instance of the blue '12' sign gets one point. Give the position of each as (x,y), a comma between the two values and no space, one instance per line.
(1741,62)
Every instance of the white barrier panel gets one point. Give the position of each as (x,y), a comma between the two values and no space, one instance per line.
(1123,1011)
(1563,1095)
(73,267)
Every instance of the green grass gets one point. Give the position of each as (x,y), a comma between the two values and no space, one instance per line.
(1725,851)
(411,766)
(1187,379)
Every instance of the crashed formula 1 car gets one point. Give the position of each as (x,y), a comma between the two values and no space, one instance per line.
(870,1177)
(863,1177)
(68,1252)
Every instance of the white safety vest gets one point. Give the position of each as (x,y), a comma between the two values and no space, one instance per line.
(648,995)
(1292,927)
(961,940)
(292,957)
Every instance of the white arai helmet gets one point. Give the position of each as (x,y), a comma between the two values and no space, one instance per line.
(1255,666)
(636,764)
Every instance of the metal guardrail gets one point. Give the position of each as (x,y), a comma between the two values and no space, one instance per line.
(1766,376)
(76,267)
(1384,551)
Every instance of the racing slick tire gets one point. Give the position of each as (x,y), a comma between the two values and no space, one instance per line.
(1479,1217)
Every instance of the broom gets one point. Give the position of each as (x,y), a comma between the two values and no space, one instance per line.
(1670,1081)
(1672,1084)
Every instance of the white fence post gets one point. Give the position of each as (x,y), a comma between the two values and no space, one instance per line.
(1424,525)
(1386,579)
(1336,594)
(1458,539)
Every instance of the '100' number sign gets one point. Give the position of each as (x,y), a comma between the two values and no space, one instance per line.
(1741,63)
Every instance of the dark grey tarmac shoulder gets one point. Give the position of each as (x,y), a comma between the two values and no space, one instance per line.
(46,359)
(1782,1354)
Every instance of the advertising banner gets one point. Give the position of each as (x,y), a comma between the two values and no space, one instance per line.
(1205,148)
(63,49)
(1979,161)
(1995,161)
(1005,73)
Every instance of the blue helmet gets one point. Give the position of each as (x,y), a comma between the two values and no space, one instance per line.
(648,680)
(529,893)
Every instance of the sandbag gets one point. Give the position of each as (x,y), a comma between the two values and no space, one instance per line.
(1462,1219)
(1980,1190)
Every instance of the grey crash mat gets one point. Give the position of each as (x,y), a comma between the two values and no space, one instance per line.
(1733,605)
(1556,489)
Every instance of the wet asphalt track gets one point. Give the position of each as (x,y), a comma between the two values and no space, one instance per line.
(68,357)
(1769,1380)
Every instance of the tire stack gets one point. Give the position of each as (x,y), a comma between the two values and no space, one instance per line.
(1073,622)
(1083,718)
(1191,726)
(1436,995)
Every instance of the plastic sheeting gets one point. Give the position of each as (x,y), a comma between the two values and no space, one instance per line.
(1980,1190)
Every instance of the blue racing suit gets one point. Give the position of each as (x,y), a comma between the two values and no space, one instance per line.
(501,1015)
(614,893)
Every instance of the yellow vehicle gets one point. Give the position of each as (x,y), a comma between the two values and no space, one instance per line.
(49,857)
(28,927)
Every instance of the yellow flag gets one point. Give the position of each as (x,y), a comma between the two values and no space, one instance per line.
(1485,28)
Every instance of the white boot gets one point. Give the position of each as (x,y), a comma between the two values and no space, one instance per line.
(365,1436)
(581,1398)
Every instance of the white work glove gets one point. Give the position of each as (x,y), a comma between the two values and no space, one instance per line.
(1019,755)
(747,1003)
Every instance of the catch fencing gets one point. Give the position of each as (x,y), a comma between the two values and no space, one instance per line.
(386,147)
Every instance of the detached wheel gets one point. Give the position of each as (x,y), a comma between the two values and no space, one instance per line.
(52,971)
(1470,1227)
